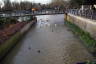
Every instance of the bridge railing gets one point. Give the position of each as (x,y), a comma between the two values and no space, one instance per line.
(21,13)
(90,14)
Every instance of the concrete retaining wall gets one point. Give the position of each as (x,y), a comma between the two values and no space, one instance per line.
(4,48)
(87,25)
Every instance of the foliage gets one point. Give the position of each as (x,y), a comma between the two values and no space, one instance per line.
(11,6)
(76,3)
(62,4)
(89,62)
(1,23)
(11,21)
(23,5)
(6,22)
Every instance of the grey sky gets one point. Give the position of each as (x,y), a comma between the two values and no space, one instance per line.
(36,1)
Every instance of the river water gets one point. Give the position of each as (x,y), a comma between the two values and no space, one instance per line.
(48,42)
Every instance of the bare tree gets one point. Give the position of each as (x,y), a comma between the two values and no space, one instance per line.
(7,5)
(62,4)
(24,5)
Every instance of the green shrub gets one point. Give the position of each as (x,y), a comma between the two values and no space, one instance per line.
(2,22)
(6,21)
(89,62)
(11,21)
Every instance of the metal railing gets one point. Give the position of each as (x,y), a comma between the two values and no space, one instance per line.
(90,14)
(42,12)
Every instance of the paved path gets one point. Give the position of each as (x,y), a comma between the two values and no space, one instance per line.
(49,42)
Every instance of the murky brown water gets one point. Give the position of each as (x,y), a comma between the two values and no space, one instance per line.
(49,42)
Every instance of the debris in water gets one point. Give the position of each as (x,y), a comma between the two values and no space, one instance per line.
(38,51)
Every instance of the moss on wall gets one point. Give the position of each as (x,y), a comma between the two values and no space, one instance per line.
(84,36)
(9,44)
(4,48)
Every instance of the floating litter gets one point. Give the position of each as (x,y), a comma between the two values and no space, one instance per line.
(38,51)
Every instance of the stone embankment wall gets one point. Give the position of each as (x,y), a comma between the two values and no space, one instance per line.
(87,25)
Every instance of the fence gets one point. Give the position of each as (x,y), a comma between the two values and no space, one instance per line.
(90,14)
(25,13)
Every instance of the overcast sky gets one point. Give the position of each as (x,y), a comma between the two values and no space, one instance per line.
(36,1)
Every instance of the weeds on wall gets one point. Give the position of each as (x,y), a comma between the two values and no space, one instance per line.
(84,36)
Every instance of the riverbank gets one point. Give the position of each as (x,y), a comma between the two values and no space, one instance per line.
(79,27)
(10,43)
(41,45)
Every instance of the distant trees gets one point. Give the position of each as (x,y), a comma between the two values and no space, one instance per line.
(16,6)
(75,3)
(62,4)
(67,3)
(0,5)
(24,5)
(78,3)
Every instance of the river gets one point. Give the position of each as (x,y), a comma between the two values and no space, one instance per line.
(48,42)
